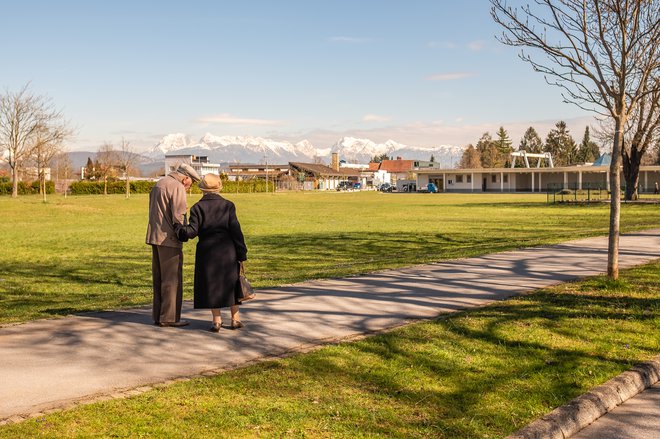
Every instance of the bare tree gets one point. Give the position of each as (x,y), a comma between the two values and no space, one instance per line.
(127,160)
(63,170)
(471,158)
(27,121)
(601,53)
(643,132)
(47,144)
(106,162)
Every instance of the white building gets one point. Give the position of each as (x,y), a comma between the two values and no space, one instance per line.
(529,179)
(200,164)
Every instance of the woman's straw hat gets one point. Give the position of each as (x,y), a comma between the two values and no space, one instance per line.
(210,183)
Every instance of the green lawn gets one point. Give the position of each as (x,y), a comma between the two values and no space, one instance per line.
(88,253)
(482,373)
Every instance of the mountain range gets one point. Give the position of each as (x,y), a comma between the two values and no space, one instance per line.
(248,149)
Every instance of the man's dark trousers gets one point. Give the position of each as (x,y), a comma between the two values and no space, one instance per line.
(167,269)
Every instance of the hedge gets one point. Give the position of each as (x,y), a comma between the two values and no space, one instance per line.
(26,188)
(86,187)
(144,187)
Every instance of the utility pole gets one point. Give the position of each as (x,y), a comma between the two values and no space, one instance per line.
(266,160)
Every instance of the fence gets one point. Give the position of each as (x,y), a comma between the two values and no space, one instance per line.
(570,193)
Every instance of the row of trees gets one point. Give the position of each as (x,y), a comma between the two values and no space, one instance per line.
(496,153)
(32,133)
(110,162)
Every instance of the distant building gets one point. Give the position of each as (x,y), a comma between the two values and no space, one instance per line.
(529,179)
(248,171)
(316,176)
(200,164)
(30,173)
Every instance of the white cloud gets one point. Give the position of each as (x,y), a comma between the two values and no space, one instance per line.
(375,118)
(451,76)
(477,46)
(228,119)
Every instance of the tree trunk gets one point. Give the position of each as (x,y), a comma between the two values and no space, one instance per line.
(14,181)
(631,161)
(42,185)
(105,185)
(128,187)
(615,201)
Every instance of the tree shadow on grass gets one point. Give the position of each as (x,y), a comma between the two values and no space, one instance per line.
(539,374)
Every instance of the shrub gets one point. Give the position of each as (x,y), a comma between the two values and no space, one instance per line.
(26,188)
(86,187)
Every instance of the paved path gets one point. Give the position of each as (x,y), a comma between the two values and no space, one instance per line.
(637,418)
(49,363)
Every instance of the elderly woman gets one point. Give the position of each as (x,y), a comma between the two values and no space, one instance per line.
(220,251)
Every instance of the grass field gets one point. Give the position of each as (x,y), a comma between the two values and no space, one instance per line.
(482,373)
(88,252)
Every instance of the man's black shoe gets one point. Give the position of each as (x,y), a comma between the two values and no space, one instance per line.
(178,324)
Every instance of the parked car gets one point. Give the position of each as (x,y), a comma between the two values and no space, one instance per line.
(357,186)
(429,188)
(408,187)
(344,185)
(386,187)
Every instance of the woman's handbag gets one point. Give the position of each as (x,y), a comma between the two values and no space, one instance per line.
(244,292)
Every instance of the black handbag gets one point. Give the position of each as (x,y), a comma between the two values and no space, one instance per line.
(244,292)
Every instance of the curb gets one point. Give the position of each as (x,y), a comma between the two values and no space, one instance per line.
(565,421)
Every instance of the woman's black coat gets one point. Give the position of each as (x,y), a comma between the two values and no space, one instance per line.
(221,246)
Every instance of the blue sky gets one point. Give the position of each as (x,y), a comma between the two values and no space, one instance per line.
(422,73)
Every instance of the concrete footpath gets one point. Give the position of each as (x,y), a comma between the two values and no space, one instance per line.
(50,364)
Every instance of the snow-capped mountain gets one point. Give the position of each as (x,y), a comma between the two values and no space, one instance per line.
(249,149)
(363,150)
(235,149)
(172,142)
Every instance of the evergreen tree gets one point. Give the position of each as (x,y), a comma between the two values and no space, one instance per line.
(432,159)
(380,158)
(503,142)
(471,158)
(561,145)
(489,152)
(588,151)
(531,142)
(90,169)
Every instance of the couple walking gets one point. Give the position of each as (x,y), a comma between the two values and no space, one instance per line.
(220,253)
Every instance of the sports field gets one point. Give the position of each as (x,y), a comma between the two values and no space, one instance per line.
(88,252)
(480,373)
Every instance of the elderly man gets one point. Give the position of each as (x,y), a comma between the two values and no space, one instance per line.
(167,205)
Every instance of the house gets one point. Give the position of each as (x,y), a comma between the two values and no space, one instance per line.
(200,164)
(248,171)
(317,176)
(400,173)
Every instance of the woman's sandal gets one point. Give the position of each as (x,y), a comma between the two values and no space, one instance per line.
(215,327)
(236,324)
